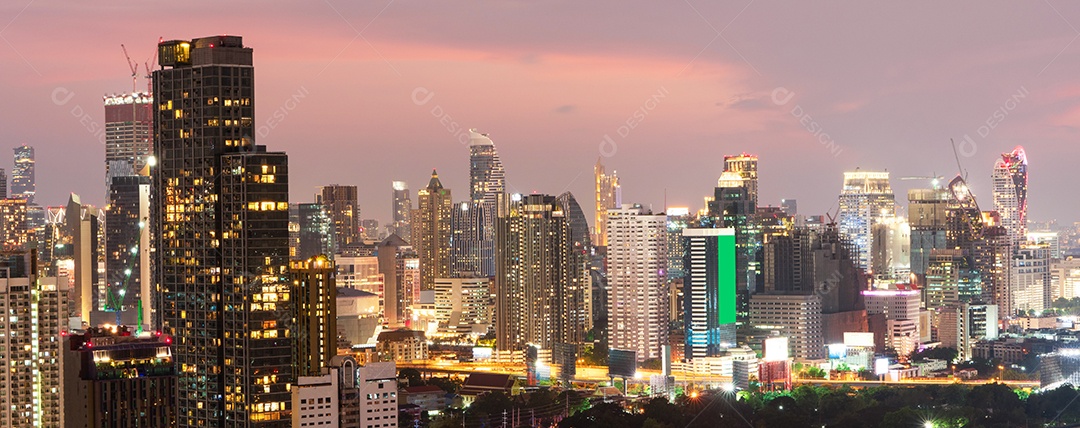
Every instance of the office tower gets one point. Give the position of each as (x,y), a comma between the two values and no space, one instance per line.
(927,217)
(340,204)
(894,318)
(220,225)
(795,316)
(487,180)
(463,305)
(709,291)
(402,210)
(891,250)
(1065,278)
(789,263)
(982,322)
(3,184)
(865,199)
(608,196)
(22,177)
(1031,279)
(30,344)
(316,314)
(100,389)
(541,281)
(733,207)
(127,249)
(399,265)
(317,232)
(467,249)
(581,244)
(790,206)
(15,230)
(637,285)
(1010,180)
(128,126)
(431,231)
(677,220)
(746,166)
(951,279)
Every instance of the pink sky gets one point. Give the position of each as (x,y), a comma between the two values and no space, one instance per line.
(889,84)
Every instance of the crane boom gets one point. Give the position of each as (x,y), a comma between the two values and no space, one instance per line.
(131,65)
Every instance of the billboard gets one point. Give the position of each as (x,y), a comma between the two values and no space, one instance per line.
(837,351)
(858,339)
(776,349)
(622,363)
(881,366)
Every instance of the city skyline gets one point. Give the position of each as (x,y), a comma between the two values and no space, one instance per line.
(710,100)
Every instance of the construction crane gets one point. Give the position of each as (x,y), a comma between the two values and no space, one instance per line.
(133,66)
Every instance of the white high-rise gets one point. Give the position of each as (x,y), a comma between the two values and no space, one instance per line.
(1031,285)
(865,199)
(1010,180)
(638,312)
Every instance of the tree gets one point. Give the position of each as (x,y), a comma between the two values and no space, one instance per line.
(413,376)
(938,353)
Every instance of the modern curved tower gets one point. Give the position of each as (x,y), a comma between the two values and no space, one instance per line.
(1010,180)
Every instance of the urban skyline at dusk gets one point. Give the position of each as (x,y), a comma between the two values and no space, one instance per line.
(391,92)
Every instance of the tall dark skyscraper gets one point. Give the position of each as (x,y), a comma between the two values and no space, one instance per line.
(22,177)
(128,126)
(316,231)
(733,207)
(3,184)
(127,248)
(542,282)
(316,317)
(431,231)
(340,204)
(220,224)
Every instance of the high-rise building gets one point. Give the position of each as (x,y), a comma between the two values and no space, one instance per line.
(891,250)
(677,220)
(1031,284)
(746,166)
(790,206)
(637,282)
(402,210)
(400,268)
(30,344)
(127,248)
(220,222)
(22,177)
(316,316)
(928,221)
(347,395)
(951,279)
(789,263)
(316,235)
(463,305)
(865,199)
(3,184)
(340,204)
(542,283)
(369,229)
(80,226)
(1065,279)
(100,388)
(709,291)
(487,180)
(15,231)
(128,126)
(795,316)
(733,206)
(1010,180)
(467,247)
(608,196)
(431,231)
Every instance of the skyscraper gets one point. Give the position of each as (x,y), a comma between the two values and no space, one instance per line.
(3,184)
(22,177)
(608,196)
(637,283)
(128,126)
(316,235)
(340,204)
(487,180)
(733,207)
(1010,180)
(316,313)
(927,218)
(541,281)
(467,251)
(220,222)
(402,210)
(127,247)
(865,199)
(431,231)
(746,166)
(709,291)
(30,344)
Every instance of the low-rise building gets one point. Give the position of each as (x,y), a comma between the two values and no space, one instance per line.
(402,346)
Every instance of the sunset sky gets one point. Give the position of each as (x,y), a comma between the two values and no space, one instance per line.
(368,92)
